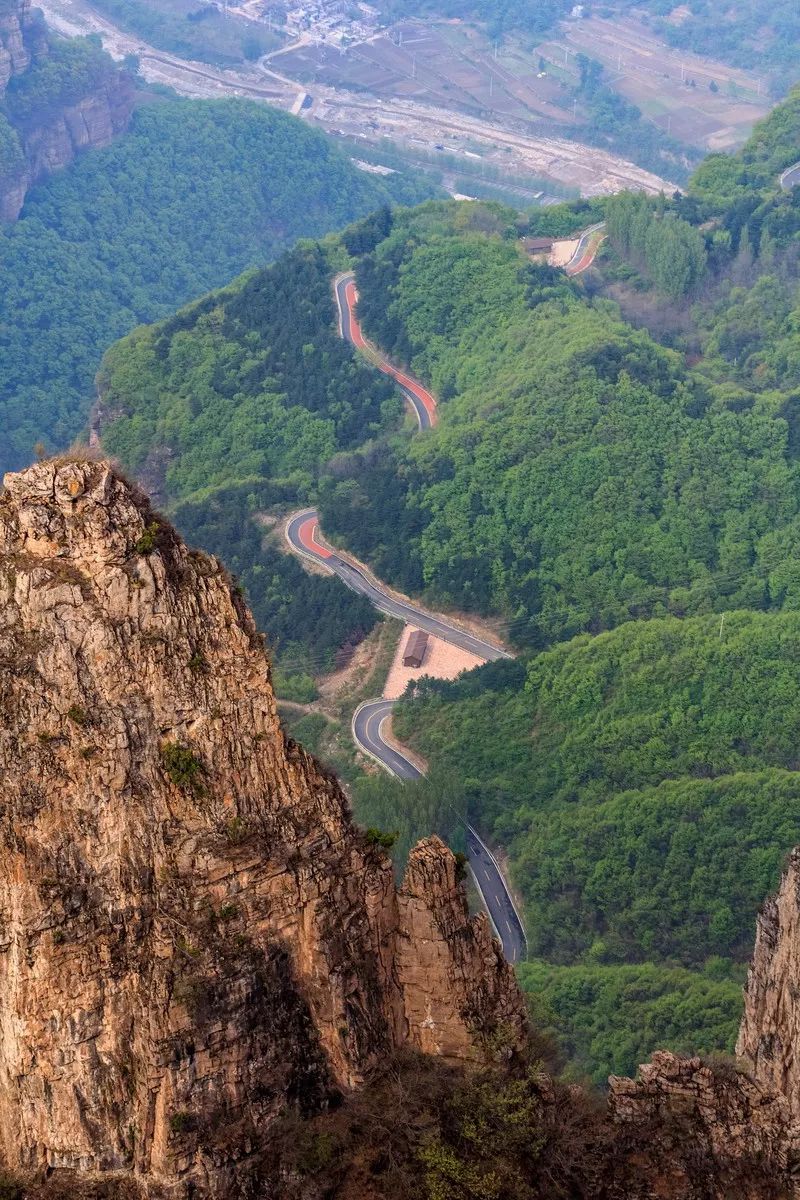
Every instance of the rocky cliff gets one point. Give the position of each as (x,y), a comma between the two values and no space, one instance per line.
(77,115)
(14,53)
(194,937)
(769,1038)
(690,1128)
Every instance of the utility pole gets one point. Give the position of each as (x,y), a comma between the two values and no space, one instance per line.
(721,623)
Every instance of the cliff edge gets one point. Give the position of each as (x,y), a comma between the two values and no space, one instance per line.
(59,98)
(769,1037)
(194,937)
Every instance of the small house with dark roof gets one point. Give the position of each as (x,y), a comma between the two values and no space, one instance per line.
(416,647)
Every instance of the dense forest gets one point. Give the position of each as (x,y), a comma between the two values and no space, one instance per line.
(581,475)
(193,194)
(628,508)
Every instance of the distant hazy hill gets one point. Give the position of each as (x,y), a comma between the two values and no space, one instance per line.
(193,194)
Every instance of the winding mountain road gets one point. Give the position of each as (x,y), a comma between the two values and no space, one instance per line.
(419,399)
(368,720)
(304,537)
(302,534)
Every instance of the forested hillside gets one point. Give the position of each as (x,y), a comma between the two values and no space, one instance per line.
(581,475)
(193,194)
(252,391)
(626,507)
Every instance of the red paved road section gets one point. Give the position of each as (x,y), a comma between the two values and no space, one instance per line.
(587,258)
(582,263)
(411,385)
(307,533)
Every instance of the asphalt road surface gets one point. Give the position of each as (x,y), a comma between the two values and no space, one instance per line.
(367,723)
(420,400)
(302,535)
(790,177)
(585,253)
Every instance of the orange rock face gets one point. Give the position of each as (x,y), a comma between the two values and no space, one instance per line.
(769,1037)
(193,934)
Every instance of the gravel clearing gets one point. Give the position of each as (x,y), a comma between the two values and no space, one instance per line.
(442,661)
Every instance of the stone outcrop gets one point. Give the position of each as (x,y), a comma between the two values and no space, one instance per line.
(447,965)
(14,54)
(769,1038)
(700,1129)
(91,123)
(53,139)
(194,936)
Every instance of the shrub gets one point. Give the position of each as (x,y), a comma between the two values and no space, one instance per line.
(10,1188)
(237,831)
(183,767)
(182,1122)
(146,544)
(377,837)
(300,688)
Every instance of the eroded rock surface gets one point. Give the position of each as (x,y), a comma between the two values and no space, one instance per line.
(769,1038)
(699,1129)
(14,53)
(448,965)
(193,934)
